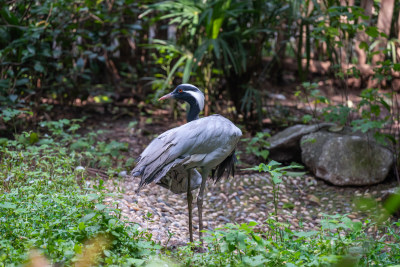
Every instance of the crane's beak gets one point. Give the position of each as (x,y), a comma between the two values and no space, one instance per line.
(165,97)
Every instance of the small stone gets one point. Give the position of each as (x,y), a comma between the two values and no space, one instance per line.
(351,216)
(223,218)
(122,174)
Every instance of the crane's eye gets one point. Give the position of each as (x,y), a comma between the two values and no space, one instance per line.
(180,90)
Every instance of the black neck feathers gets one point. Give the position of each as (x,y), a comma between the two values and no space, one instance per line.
(194,110)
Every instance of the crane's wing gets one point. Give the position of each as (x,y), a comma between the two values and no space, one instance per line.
(205,143)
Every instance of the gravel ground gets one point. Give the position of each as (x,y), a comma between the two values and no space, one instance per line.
(247,197)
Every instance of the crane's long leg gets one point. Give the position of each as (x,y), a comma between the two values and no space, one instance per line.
(204,175)
(189,200)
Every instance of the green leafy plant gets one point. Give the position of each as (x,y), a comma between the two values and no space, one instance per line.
(199,47)
(339,241)
(338,114)
(373,109)
(93,151)
(371,106)
(61,51)
(275,170)
(10,115)
(311,95)
(257,145)
(42,206)
(215,40)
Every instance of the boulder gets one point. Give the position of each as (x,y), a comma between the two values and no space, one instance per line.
(285,146)
(345,159)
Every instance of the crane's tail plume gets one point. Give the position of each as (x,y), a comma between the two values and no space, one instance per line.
(227,165)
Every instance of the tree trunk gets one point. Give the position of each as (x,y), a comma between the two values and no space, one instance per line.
(398,37)
(384,22)
(280,49)
(342,51)
(367,5)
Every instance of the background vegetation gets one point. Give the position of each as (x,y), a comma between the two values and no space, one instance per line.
(64,51)
(56,56)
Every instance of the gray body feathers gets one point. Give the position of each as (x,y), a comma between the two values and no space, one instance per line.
(207,143)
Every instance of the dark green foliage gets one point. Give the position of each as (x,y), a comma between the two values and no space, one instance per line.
(68,50)
(371,106)
(257,146)
(64,49)
(216,39)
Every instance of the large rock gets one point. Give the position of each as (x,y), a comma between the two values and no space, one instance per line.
(285,146)
(340,159)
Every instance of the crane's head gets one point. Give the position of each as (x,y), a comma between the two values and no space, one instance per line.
(188,93)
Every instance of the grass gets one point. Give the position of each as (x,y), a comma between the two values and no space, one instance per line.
(47,204)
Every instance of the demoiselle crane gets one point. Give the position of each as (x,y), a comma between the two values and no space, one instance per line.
(207,144)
